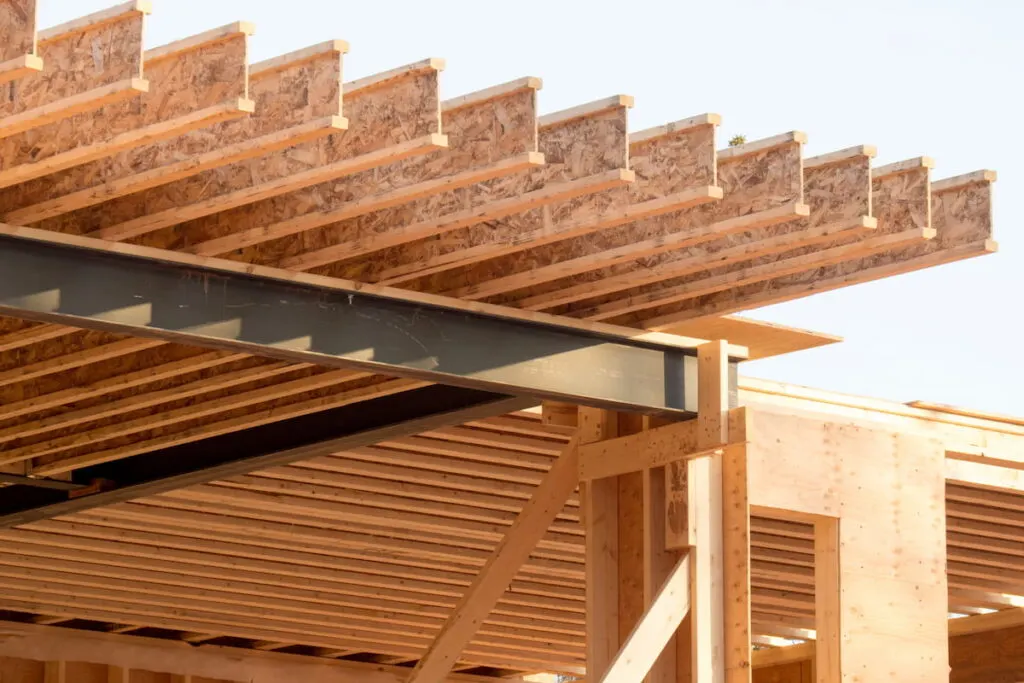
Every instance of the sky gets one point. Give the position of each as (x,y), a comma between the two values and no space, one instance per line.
(931,78)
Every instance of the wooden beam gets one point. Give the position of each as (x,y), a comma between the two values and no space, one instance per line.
(649,448)
(503,565)
(736,572)
(658,565)
(49,643)
(656,627)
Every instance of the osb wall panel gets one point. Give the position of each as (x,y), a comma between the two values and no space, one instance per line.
(179,84)
(752,183)
(396,111)
(663,165)
(837,193)
(479,135)
(17,28)
(572,150)
(79,61)
(285,97)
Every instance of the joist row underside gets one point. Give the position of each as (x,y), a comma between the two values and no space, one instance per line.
(189,147)
(368,551)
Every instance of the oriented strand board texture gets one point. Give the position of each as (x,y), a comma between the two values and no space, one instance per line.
(839,195)
(573,150)
(292,95)
(396,111)
(752,183)
(961,216)
(72,64)
(663,165)
(479,135)
(17,28)
(179,84)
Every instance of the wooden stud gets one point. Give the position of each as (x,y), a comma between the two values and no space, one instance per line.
(827,625)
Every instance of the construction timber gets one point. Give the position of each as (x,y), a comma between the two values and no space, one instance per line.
(314,379)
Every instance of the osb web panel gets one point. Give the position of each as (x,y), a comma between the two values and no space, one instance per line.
(286,164)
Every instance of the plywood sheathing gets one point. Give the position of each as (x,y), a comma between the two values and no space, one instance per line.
(297,98)
(673,168)
(193,83)
(390,118)
(583,152)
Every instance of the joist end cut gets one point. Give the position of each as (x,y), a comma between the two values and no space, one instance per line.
(246,105)
(802,210)
(143,6)
(982,176)
(869,222)
(439,140)
(336,122)
(140,85)
(246,27)
(535,158)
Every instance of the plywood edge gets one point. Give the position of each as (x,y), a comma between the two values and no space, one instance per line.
(841,155)
(566,115)
(762,145)
(289,59)
(675,127)
(372,81)
(956,182)
(904,166)
(215,35)
(338,284)
(966,412)
(492,93)
(94,20)
(763,339)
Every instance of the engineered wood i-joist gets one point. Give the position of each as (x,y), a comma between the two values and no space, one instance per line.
(297,99)
(18,48)
(762,185)
(490,133)
(88,63)
(961,216)
(216,202)
(674,169)
(838,191)
(578,161)
(213,64)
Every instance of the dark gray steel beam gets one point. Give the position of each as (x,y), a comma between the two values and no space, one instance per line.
(382,330)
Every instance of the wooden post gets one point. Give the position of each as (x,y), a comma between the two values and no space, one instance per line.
(658,564)
(826,600)
(600,503)
(704,517)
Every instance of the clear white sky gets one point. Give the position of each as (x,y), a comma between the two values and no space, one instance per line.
(940,78)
